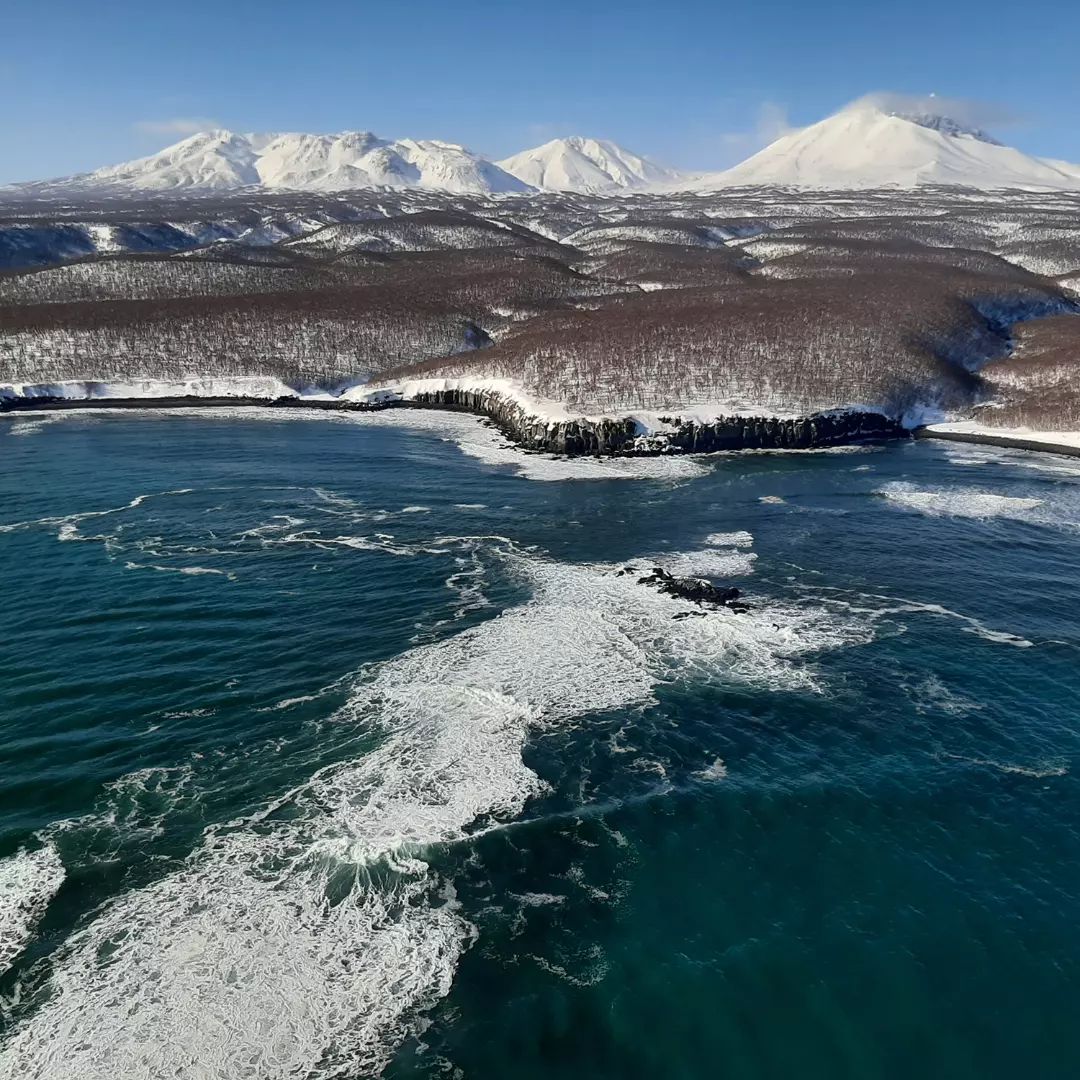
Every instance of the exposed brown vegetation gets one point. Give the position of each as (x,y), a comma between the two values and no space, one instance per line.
(750,298)
(1038,386)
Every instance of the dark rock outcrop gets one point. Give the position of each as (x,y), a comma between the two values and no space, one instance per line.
(624,436)
(697,590)
(576,437)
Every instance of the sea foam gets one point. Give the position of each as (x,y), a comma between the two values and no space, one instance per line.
(28,882)
(732,539)
(307,937)
(958,502)
(483,442)
(709,562)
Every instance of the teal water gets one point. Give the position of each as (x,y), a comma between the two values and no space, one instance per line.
(329,749)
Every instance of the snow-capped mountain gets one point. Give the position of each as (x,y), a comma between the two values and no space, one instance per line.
(864,146)
(226,161)
(586,166)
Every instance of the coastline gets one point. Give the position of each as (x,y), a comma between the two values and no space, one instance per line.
(988,438)
(570,436)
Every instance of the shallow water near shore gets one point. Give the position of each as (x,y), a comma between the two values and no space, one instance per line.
(336,745)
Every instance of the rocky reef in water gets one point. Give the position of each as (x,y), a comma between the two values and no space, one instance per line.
(697,590)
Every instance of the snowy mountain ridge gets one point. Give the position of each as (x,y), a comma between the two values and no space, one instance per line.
(220,161)
(946,125)
(865,145)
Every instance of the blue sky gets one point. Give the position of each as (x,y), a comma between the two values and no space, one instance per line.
(690,83)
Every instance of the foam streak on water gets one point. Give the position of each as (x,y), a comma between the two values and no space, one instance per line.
(68,525)
(959,502)
(305,939)
(732,539)
(28,881)
(867,607)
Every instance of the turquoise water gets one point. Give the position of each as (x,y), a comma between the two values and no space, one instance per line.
(327,748)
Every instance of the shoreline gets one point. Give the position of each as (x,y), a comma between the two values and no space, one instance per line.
(1008,442)
(606,437)
(581,437)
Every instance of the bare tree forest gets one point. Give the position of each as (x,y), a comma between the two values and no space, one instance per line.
(751,299)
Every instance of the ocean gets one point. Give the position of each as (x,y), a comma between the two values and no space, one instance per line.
(337,745)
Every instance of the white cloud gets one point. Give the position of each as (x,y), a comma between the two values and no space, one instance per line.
(179,125)
(770,123)
(963,110)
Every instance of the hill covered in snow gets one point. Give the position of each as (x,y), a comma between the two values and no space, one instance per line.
(703,317)
(587,166)
(866,146)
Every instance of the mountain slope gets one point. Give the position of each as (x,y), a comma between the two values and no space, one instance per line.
(586,166)
(865,147)
(225,161)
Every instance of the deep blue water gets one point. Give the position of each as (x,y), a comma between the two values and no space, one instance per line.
(327,748)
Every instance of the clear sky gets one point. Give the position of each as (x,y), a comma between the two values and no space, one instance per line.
(692,83)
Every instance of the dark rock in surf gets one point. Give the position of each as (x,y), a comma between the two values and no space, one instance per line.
(696,590)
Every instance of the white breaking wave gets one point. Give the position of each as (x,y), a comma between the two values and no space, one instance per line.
(482,443)
(958,502)
(716,771)
(303,940)
(28,882)
(731,539)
